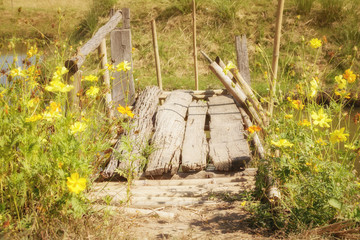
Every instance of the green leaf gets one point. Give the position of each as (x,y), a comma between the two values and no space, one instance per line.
(335,203)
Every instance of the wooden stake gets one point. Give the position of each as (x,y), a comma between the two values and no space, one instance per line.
(157,57)
(106,77)
(195,49)
(242,57)
(276,55)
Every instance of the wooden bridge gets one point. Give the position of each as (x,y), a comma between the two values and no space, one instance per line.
(199,145)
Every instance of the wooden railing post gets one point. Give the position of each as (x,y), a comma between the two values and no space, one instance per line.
(242,57)
(123,89)
(73,98)
(156,52)
(106,77)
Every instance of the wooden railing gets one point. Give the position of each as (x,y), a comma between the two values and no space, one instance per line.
(122,87)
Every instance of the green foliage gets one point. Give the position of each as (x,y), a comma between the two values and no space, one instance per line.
(332,10)
(304,6)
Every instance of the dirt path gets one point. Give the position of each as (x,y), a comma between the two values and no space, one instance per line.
(222,220)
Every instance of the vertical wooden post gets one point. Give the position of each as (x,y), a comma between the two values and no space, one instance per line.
(123,89)
(195,49)
(74,101)
(242,58)
(275,59)
(106,77)
(156,52)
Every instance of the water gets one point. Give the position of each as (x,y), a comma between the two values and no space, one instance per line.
(8,58)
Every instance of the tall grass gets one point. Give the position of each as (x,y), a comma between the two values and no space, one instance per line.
(304,6)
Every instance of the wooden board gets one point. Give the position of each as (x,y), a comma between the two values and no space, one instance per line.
(169,134)
(195,147)
(140,132)
(228,148)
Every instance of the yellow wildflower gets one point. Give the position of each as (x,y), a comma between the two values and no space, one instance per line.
(350,146)
(90,78)
(338,136)
(17,72)
(60,164)
(32,51)
(77,127)
(110,67)
(305,123)
(341,83)
(228,67)
(123,66)
(75,183)
(349,76)
(92,91)
(254,128)
(54,107)
(320,118)
(342,93)
(314,85)
(60,71)
(315,43)
(297,104)
(33,102)
(243,203)
(282,143)
(125,110)
(33,118)
(321,142)
(288,116)
(53,111)
(58,86)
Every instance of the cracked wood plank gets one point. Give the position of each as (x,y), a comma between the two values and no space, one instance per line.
(169,134)
(228,148)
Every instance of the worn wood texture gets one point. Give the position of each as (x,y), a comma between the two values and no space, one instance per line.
(195,147)
(123,89)
(142,127)
(74,64)
(140,132)
(106,77)
(235,90)
(169,134)
(242,57)
(228,146)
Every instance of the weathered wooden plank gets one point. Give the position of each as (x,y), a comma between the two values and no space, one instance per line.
(123,89)
(74,64)
(169,134)
(195,146)
(140,132)
(228,148)
(242,57)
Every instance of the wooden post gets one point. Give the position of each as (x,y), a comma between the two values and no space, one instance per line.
(106,77)
(156,52)
(195,49)
(242,58)
(123,90)
(275,59)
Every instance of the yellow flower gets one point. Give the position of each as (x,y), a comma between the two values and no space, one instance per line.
(77,127)
(350,146)
(321,142)
(123,66)
(58,86)
(92,91)
(315,43)
(60,164)
(75,183)
(320,118)
(314,85)
(125,110)
(60,71)
(338,136)
(33,102)
(243,203)
(349,76)
(17,72)
(90,78)
(288,116)
(33,118)
(228,67)
(305,123)
(53,111)
(297,104)
(341,83)
(282,143)
(32,51)
(342,93)
(110,67)
(254,128)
